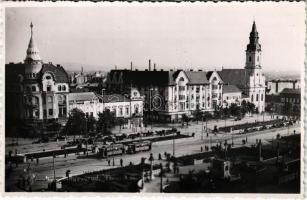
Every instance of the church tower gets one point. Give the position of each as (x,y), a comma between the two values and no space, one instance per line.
(33,62)
(253,50)
(255,83)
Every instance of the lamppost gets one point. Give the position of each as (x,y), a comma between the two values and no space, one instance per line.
(173,140)
(54,177)
(161,178)
(150,111)
(86,132)
(202,128)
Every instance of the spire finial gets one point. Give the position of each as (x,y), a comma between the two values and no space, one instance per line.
(31,26)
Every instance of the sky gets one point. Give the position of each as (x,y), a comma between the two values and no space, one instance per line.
(199,35)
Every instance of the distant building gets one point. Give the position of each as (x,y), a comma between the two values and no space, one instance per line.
(288,102)
(274,87)
(122,106)
(231,94)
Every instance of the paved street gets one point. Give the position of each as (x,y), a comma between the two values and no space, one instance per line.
(182,147)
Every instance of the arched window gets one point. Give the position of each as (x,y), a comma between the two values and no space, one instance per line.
(136,109)
(252,98)
(33,88)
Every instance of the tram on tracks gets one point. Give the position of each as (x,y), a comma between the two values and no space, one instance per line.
(111,150)
(136,147)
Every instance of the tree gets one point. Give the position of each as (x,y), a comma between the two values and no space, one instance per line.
(251,107)
(244,108)
(76,122)
(106,120)
(217,112)
(197,114)
(91,123)
(185,119)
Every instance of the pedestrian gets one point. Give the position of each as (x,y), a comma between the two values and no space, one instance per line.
(121,162)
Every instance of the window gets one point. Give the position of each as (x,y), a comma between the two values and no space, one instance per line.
(181,97)
(48,77)
(181,88)
(250,59)
(256,97)
(49,99)
(45,113)
(59,88)
(48,88)
(192,97)
(252,98)
(261,97)
(197,89)
(50,112)
(120,111)
(214,87)
(33,75)
(136,109)
(127,110)
(36,113)
(64,88)
(258,58)
(33,88)
(28,88)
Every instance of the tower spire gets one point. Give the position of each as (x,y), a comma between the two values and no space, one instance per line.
(31,26)
(32,51)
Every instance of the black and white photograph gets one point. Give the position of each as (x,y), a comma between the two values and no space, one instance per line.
(190,98)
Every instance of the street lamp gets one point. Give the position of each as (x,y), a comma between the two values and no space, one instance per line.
(202,128)
(173,140)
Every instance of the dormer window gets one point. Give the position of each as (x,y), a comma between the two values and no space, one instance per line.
(48,88)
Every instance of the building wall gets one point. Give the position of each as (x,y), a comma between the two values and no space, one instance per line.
(233,97)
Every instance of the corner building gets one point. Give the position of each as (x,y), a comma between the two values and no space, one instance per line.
(36,91)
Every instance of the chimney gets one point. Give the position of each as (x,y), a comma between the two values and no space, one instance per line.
(131,68)
(149,65)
